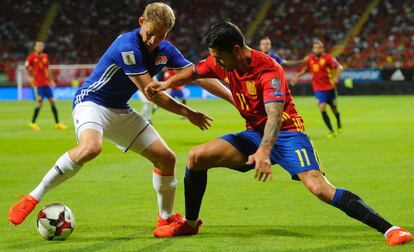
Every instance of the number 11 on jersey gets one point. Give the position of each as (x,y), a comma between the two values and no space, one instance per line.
(242,100)
(305,154)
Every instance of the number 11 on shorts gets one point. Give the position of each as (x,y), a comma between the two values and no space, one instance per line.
(305,154)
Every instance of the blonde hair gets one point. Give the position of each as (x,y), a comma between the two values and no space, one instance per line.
(159,15)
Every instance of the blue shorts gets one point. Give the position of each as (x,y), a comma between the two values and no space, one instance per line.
(42,92)
(327,96)
(292,150)
(177,94)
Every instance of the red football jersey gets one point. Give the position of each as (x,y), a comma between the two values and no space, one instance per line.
(168,74)
(264,82)
(322,69)
(38,64)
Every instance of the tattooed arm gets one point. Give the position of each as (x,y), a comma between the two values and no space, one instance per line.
(261,158)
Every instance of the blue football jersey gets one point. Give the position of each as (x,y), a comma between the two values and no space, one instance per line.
(277,58)
(109,84)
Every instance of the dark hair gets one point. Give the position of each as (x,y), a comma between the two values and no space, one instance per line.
(224,36)
(265,37)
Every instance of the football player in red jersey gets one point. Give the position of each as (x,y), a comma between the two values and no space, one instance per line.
(275,134)
(37,72)
(176,92)
(326,71)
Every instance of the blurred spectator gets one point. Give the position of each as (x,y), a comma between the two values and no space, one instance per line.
(82,30)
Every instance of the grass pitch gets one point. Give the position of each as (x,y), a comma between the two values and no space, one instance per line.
(115,205)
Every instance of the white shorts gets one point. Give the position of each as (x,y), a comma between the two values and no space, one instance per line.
(124,127)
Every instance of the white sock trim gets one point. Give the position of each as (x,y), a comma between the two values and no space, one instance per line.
(389,230)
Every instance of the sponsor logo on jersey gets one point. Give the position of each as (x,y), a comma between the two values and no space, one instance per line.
(275,83)
(128,58)
(278,93)
(161,60)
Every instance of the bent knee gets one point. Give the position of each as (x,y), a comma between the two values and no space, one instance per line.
(323,191)
(165,162)
(91,150)
(197,158)
(167,158)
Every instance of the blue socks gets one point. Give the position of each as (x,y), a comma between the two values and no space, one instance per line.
(195,183)
(356,208)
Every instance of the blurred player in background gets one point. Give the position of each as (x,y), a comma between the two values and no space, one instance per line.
(176,92)
(148,107)
(37,72)
(326,72)
(101,109)
(274,134)
(265,46)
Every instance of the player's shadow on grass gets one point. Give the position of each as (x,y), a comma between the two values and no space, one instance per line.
(194,143)
(321,232)
(99,242)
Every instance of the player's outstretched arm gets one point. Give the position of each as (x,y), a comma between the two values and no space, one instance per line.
(166,102)
(215,87)
(261,159)
(186,75)
(295,79)
(294,63)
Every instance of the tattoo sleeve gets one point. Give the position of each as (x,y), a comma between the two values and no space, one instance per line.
(274,122)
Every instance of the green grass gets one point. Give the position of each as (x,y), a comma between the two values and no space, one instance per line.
(115,205)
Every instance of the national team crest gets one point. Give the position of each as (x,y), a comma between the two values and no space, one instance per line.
(161,60)
(251,87)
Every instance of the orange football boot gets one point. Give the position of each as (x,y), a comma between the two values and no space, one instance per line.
(399,236)
(165,222)
(177,229)
(19,211)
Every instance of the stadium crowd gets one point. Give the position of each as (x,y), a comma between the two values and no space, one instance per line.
(387,39)
(83,30)
(292,25)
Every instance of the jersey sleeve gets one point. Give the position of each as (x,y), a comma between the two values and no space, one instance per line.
(308,60)
(47,60)
(29,61)
(130,59)
(274,86)
(207,68)
(278,59)
(176,59)
(332,61)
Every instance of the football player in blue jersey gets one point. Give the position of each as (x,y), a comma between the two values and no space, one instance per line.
(101,109)
(265,46)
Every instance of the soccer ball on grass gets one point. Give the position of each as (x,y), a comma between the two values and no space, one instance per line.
(55,222)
